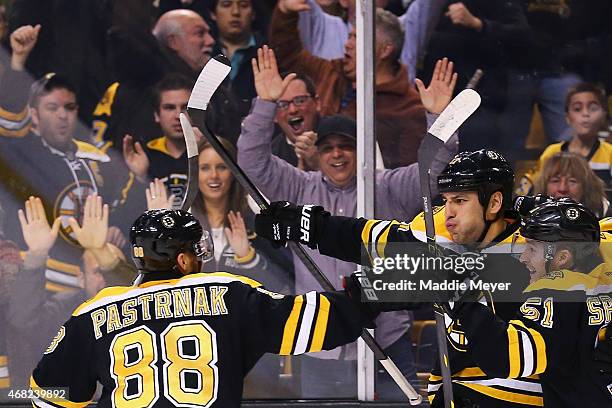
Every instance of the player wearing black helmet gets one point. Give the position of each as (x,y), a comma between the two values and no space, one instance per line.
(169,241)
(477,217)
(561,331)
(183,338)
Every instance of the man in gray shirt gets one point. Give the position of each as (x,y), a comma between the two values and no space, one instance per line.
(334,188)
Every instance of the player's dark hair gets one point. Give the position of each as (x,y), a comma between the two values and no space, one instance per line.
(171,82)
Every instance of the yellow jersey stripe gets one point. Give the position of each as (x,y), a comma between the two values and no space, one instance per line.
(56,287)
(5,382)
(541,361)
(15,133)
(365,233)
(381,242)
(514,352)
(14,117)
(291,326)
(320,325)
(104,107)
(159,144)
(506,395)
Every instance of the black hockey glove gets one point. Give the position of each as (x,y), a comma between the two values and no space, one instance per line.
(602,355)
(371,310)
(602,360)
(284,221)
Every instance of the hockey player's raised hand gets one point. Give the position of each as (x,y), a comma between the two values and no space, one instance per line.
(438,94)
(92,234)
(283,221)
(37,234)
(268,82)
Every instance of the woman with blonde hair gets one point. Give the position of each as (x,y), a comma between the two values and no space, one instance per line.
(569,175)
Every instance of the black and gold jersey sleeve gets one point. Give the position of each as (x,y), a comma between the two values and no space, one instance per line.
(347,238)
(542,335)
(65,376)
(15,121)
(306,323)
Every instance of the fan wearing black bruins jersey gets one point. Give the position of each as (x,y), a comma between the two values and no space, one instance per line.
(50,163)
(562,331)
(181,338)
(477,189)
(163,157)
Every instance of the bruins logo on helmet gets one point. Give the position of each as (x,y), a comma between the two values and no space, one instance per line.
(167,221)
(572,214)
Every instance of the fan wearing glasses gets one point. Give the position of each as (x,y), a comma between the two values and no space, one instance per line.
(297,115)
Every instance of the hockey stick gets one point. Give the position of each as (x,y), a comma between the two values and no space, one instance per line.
(457,112)
(192,163)
(210,78)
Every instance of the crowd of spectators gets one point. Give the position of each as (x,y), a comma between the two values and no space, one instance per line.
(90,97)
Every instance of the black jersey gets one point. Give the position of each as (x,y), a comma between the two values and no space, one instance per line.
(31,167)
(345,238)
(173,172)
(553,335)
(184,342)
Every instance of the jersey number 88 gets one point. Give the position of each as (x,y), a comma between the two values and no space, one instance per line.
(189,374)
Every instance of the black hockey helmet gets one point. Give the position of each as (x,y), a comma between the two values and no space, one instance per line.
(561,220)
(484,171)
(158,236)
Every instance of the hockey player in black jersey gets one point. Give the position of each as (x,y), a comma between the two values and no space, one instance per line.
(477,216)
(183,338)
(562,331)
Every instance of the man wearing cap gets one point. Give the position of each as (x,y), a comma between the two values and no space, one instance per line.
(332,373)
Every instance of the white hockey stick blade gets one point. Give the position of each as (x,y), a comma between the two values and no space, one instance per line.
(212,75)
(401,381)
(189,135)
(457,112)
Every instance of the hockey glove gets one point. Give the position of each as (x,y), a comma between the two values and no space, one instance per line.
(284,221)
(602,355)
(371,310)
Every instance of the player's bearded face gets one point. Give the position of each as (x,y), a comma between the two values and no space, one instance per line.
(464,216)
(55,117)
(533,259)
